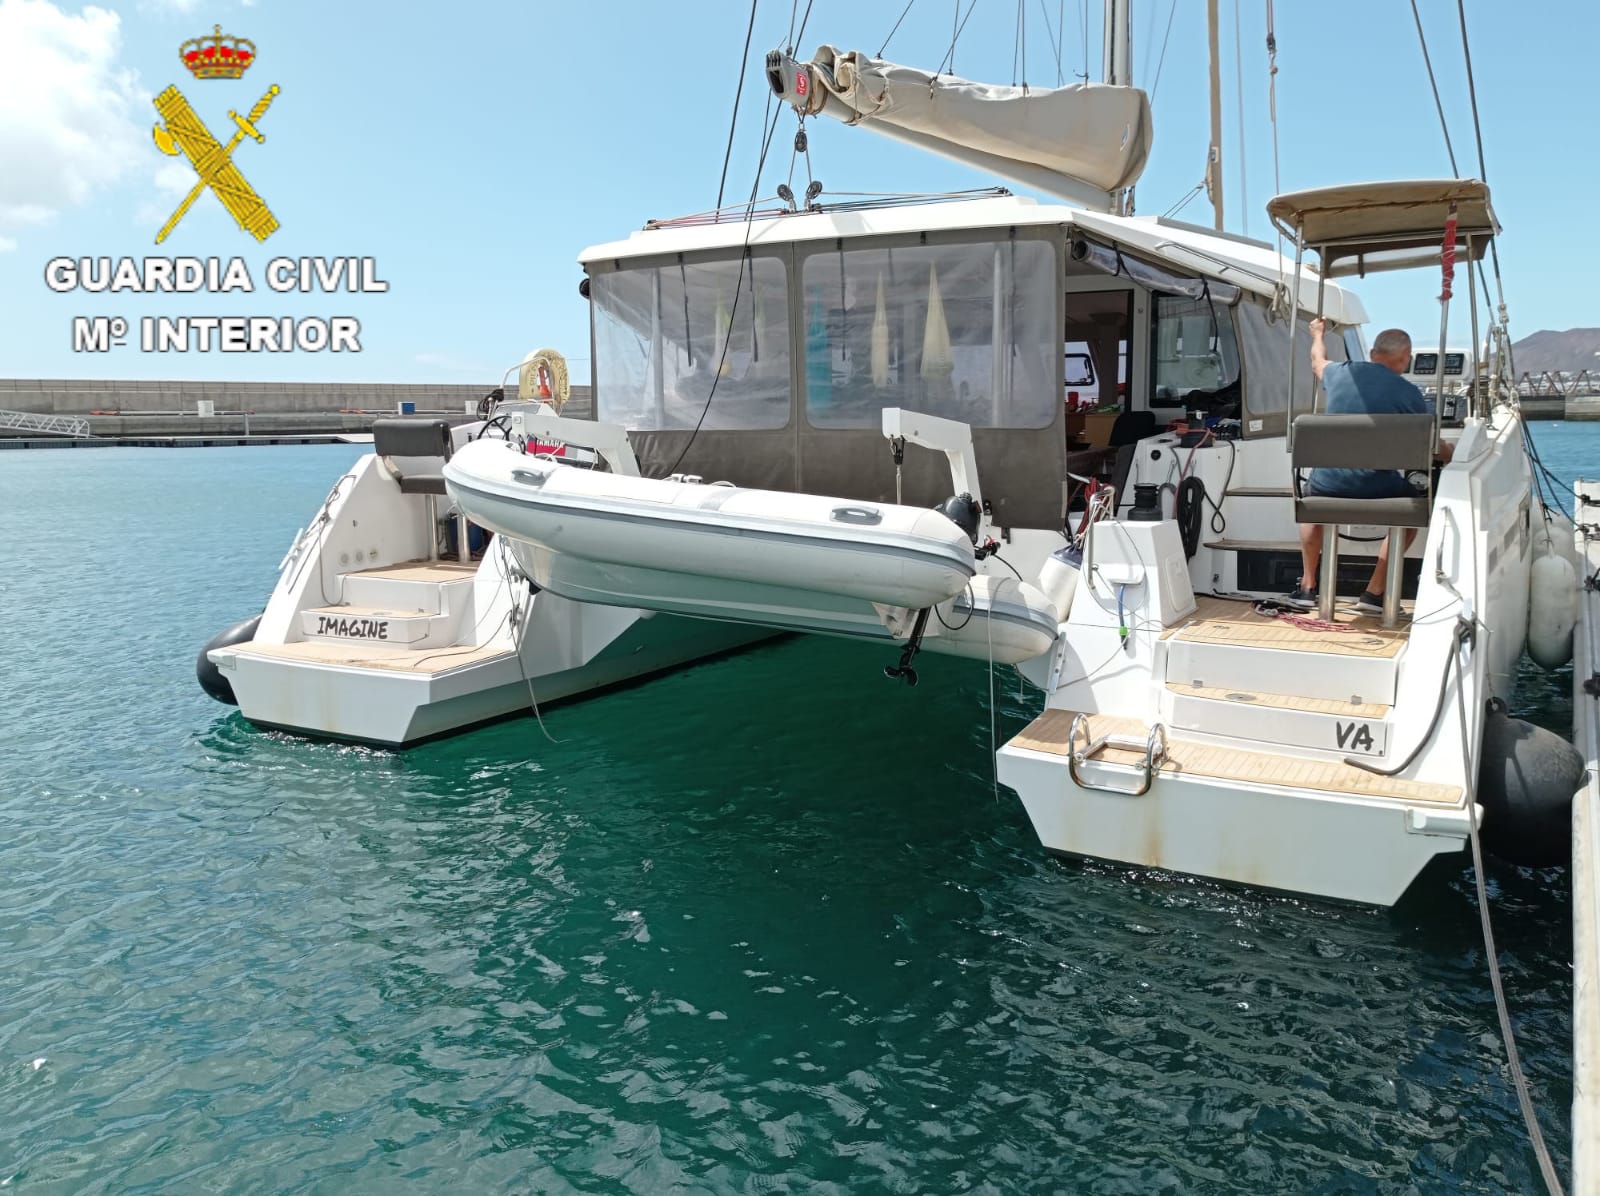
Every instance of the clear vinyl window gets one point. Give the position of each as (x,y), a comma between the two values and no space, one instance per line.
(966,332)
(1196,353)
(659,337)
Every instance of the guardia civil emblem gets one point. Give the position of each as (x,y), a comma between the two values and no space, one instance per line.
(181,131)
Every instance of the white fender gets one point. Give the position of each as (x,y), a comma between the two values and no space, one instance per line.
(1552,609)
(1058,580)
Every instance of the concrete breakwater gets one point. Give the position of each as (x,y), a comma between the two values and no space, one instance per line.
(121,409)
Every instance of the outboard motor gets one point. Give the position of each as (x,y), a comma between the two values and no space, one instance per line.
(209,675)
(960,510)
(1526,779)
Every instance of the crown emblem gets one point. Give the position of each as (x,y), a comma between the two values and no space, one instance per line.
(214,56)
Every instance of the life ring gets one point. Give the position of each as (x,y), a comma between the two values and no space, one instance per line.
(543,377)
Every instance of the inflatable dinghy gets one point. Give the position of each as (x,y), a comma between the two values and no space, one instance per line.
(801,562)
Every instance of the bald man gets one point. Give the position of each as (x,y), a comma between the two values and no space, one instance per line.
(1373,387)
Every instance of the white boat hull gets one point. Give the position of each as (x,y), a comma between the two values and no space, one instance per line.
(365,638)
(1366,850)
(1273,730)
(357,702)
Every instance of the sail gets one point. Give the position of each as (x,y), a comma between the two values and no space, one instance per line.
(1080,142)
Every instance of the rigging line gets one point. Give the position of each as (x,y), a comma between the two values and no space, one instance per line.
(955,32)
(1238,93)
(1149,42)
(1472,89)
(896,28)
(1083,11)
(950,55)
(1014,36)
(1055,42)
(738,285)
(789,41)
(1277,178)
(1183,201)
(1477,129)
(1172,11)
(1427,61)
(805,19)
(1061,37)
(744,62)
(1022,32)
(1530,1117)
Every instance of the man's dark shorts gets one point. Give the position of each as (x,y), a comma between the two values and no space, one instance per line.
(1361,483)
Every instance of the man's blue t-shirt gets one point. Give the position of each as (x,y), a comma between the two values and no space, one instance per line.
(1365,388)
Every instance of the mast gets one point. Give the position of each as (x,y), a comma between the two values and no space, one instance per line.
(1117,69)
(1214,152)
(1118,61)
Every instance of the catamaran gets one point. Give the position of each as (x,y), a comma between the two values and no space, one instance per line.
(393,621)
(849,419)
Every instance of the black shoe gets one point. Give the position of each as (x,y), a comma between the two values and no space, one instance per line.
(1303,598)
(1369,603)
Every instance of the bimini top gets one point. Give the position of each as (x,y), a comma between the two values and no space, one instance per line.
(1357,228)
(1252,266)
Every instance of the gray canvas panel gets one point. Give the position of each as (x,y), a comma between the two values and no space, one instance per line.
(756,460)
(859,465)
(1020,471)
(1382,512)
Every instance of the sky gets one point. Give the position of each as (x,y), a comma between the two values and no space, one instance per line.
(473,150)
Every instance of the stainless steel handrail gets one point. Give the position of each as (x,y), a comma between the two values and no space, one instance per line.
(1154,747)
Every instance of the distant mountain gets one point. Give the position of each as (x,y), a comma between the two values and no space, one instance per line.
(1573,350)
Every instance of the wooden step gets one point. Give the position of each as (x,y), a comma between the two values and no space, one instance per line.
(1226,645)
(433,587)
(1050,733)
(372,624)
(1284,701)
(1259,492)
(1323,725)
(1235,621)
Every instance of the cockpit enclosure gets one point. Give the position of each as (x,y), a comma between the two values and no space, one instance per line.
(771,366)
(1216,349)
(764,351)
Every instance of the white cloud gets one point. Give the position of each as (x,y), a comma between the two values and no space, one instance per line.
(7,244)
(67,109)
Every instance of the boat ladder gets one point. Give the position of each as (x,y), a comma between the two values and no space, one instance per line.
(1154,747)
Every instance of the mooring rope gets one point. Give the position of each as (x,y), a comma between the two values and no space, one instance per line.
(1519,1079)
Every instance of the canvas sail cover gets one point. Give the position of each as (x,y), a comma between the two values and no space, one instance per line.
(1080,142)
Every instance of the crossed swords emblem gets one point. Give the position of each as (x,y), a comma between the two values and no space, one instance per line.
(184,132)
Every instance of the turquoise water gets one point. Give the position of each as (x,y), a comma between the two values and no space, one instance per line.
(763,925)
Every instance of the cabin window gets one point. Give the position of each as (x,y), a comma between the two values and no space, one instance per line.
(1196,354)
(1265,352)
(664,334)
(917,327)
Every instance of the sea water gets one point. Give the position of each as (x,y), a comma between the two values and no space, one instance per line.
(766,924)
